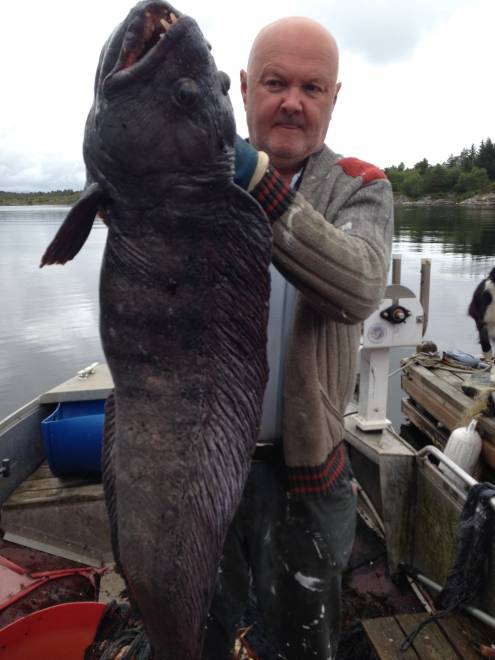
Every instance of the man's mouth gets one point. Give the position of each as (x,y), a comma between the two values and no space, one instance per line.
(288,126)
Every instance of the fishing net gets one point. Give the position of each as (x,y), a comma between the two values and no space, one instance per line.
(467,576)
(475,533)
(120,636)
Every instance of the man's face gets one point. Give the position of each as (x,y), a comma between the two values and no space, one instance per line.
(289,94)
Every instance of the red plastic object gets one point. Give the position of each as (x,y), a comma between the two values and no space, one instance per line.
(61,632)
(16,582)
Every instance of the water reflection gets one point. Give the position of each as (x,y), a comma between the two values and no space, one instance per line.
(449,230)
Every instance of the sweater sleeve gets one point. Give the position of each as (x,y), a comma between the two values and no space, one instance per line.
(339,262)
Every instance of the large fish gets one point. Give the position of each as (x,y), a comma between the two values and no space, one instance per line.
(183,295)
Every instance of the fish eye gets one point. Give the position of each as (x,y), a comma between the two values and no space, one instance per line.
(224,81)
(186,92)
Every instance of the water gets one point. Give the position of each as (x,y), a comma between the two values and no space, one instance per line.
(49,317)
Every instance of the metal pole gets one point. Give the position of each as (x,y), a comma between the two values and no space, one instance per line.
(474,611)
(424,294)
(396,268)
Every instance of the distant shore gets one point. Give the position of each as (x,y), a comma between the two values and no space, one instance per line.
(70,197)
(54,198)
(484,200)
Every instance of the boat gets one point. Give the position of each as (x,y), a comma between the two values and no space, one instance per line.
(410,504)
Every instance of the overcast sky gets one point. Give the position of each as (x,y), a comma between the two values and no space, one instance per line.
(417,76)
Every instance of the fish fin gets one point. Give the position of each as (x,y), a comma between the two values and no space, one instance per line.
(75,229)
(108,474)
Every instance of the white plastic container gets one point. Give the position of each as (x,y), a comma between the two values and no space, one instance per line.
(464,448)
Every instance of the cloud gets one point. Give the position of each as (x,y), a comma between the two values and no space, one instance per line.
(415,77)
(25,171)
(382,31)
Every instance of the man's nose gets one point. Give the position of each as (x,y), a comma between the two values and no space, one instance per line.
(291,102)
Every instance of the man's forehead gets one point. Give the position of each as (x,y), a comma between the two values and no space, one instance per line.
(289,66)
(287,44)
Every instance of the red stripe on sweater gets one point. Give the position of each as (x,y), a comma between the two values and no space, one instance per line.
(356,167)
(267,188)
(337,462)
(301,490)
(276,201)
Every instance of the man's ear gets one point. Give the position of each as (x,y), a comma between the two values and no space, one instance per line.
(337,90)
(244,86)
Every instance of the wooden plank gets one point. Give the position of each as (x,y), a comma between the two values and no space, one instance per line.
(426,425)
(437,406)
(50,483)
(486,427)
(454,379)
(386,636)
(439,393)
(461,631)
(77,494)
(428,379)
(430,643)
(433,398)
(61,527)
(41,473)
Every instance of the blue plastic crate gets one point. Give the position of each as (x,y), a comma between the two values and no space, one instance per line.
(72,436)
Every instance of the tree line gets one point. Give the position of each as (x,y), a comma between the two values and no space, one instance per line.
(469,173)
(65,197)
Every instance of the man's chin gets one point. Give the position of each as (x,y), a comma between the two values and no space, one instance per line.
(285,149)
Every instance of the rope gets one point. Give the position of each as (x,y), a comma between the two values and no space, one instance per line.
(430,361)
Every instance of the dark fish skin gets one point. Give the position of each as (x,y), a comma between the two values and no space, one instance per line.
(184,295)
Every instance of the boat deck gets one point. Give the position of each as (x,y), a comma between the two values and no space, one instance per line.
(455,637)
(66,517)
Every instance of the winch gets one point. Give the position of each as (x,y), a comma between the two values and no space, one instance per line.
(398,321)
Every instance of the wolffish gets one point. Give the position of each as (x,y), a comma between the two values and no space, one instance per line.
(184,295)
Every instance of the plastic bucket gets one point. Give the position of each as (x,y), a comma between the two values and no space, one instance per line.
(61,632)
(72,436)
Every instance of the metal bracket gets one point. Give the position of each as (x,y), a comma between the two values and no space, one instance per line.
(5,467)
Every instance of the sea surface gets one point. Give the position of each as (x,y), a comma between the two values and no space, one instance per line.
(49,316)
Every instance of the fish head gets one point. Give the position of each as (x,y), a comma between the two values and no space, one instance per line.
(161,108)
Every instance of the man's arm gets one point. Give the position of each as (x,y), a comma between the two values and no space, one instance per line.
(338,262)
(340,266)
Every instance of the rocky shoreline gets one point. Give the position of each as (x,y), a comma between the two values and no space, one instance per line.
(485,200)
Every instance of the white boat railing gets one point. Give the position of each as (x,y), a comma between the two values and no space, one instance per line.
(449,463)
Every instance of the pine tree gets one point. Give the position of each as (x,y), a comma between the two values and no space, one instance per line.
(486,157)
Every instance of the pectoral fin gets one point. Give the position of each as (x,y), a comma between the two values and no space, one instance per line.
(76,227)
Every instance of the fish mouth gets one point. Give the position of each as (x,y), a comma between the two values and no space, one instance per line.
(146,29)
(145,32)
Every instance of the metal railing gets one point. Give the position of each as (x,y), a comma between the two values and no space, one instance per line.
(458,471)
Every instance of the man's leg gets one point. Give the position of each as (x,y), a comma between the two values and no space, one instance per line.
(297,569)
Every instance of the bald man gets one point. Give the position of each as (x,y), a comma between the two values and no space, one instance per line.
(332,228)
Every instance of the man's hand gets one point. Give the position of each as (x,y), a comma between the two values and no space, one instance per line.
(250,164)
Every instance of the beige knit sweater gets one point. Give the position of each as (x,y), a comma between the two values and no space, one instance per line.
(333,243)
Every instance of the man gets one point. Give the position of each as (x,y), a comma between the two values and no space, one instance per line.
(332,228)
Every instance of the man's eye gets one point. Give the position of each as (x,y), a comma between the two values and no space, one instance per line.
(313,90)
(274,84)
